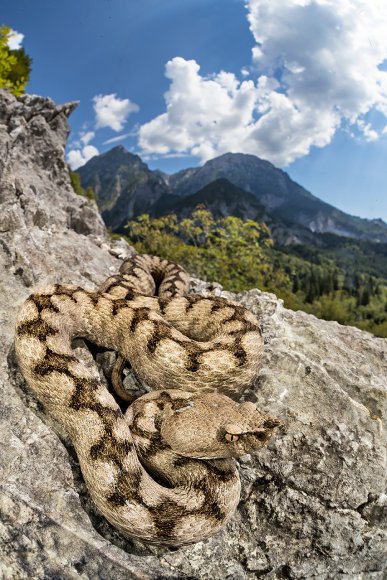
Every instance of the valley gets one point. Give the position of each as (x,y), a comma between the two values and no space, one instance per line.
(314,256)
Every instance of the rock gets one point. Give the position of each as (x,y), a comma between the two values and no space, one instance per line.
(33,171)
(45,531)
(313,502)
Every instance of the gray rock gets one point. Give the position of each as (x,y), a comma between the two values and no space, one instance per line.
(313,503)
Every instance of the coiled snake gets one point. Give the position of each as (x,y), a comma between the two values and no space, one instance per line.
(164,471)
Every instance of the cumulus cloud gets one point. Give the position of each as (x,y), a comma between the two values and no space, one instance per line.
(81,150)
(85,138)
(78,157)
(111,111)
(203,114)
(15,40)
(317,68)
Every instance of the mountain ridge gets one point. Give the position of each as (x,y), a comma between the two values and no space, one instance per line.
(221,197)
(126,187)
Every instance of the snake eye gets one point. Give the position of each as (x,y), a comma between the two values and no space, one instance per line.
(231,437)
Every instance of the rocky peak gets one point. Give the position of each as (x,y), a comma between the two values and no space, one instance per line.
(285,201)
(115,158)
(221,197)
(35,186)
(248,172)
(124,185)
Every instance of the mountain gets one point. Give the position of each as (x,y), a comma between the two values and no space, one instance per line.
(125,187)
(248,172)
(284,199)
(221,197)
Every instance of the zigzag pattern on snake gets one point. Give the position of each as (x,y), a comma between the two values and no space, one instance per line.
(163,471)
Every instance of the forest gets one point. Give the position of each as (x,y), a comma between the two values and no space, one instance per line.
(241,255)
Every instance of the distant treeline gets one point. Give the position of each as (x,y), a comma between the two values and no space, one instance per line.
(241,255)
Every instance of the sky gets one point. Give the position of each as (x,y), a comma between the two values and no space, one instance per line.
(301,83)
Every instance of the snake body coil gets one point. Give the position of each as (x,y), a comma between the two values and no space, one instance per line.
(164,471)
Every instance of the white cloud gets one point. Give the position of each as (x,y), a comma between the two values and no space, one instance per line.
(15,40)
(150,157)
(318,67)
(87,137)
(203,114)
(116,139)
(122,137)
(78,157)
(367,131)
(111,111)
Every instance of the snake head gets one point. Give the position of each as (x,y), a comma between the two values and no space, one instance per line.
(211,425)
(251,431)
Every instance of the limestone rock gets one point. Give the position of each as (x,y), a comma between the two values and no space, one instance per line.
(313,502)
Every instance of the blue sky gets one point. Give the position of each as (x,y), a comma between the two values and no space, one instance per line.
(299,82)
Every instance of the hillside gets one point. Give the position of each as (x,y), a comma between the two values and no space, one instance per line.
(323,261)
(284,199)
(334,278)
(221,197)
(125,187)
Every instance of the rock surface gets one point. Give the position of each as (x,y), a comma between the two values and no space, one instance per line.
(314,502)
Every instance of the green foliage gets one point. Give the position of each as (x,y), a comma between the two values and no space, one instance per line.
(240,255)
(350,255)
(20,72)
(77,187)
(15,65)
(227,249)
(327,291)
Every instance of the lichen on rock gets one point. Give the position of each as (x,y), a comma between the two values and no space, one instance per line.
(313,503)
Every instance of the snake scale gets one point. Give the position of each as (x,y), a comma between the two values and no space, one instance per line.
(163,471)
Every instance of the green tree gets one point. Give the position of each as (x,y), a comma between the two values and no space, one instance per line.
(227,250)
(240,255)
(75,179)
(22,68)
(15,65)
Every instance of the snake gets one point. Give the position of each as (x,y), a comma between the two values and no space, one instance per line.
(164,469)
